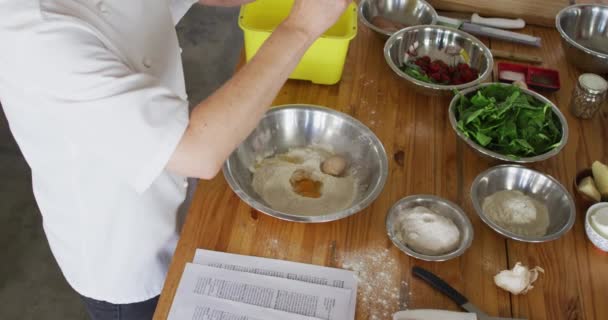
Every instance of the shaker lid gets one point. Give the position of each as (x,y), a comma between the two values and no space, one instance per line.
(593,83)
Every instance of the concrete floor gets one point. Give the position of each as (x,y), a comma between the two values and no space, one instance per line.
(31,284)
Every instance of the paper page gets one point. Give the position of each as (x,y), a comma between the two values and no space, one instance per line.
(198,307)
(297,297)
(333,277)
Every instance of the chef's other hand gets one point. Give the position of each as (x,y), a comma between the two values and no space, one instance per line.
(314,17)
(224,3)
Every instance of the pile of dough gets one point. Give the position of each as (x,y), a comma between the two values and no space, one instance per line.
(427,232)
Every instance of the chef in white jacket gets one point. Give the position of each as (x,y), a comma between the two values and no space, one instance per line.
(95,97)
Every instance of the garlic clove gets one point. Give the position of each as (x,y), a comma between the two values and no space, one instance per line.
(518,280)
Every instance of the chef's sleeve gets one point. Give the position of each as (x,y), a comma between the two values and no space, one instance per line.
(179,8)
(112,116)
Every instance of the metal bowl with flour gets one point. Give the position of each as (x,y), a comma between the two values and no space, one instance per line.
(442,207)
(294,126)
(544,188)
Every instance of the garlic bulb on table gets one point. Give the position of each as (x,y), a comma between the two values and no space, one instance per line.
(519,279)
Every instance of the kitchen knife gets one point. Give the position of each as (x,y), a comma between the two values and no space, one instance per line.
(495,33)
(446,289)
(501,54)
(429,314)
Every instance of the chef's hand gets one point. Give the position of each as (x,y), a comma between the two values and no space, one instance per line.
(224,3)
(314,17)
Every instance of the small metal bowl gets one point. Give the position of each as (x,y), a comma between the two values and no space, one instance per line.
(584,36)
(562,212)
(491,154)
(405,12)
(433,41)
(299,125)
(583,201)
(440,206)
(598,240)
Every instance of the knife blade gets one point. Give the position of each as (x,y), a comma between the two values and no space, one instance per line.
(501,34)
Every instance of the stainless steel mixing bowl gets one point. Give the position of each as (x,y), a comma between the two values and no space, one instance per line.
(584,31)
(488,153)
(440,206)
(297,125)
(433,41)
(562,212)
(406,12)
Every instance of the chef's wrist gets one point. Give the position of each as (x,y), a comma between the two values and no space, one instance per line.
(295,28)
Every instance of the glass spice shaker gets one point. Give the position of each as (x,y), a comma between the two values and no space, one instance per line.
(588,95)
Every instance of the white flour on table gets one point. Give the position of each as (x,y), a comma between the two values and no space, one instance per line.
(379,283)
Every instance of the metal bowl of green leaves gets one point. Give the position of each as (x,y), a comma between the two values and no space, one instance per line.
(508,123)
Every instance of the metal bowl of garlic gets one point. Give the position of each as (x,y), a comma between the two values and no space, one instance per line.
(536,185)
(295,126)
(439,206)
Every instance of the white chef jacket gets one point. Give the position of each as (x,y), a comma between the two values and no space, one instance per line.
(95,97)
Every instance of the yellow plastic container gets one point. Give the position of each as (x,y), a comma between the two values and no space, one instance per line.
(323,62)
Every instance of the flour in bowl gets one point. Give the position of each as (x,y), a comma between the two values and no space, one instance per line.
(517,212)
(294,183)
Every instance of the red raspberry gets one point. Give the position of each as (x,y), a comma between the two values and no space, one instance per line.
(434,67)
(463,66)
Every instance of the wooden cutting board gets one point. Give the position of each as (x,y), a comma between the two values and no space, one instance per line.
(538,12)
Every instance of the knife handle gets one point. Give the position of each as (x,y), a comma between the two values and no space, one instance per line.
(499,23)
(440,285)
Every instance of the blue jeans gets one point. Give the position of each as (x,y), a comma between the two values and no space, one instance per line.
(101,310)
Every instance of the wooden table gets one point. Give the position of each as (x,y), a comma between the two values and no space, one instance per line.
(425,158)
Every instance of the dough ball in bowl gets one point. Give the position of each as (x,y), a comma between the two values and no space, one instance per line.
(429,228)
(427,232)
(334,165)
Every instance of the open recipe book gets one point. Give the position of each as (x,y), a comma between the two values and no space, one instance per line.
(223,286)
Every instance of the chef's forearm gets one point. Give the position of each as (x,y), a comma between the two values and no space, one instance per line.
(222,121)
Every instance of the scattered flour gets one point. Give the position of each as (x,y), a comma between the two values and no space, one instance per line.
(378,293)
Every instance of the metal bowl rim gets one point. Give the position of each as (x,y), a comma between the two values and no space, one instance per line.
(462,248)
(509,234)
(588,213)
(362,205)
(488,56)
(495,155)
(434,17)
(571,41)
